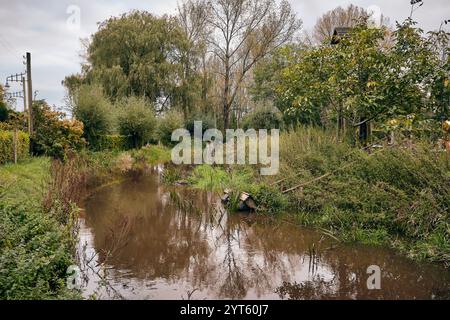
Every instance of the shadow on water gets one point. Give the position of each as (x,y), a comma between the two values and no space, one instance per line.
(175,243)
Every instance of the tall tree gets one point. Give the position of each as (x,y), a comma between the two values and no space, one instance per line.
(338,17)
(3,108)
(243,32)
(137,54)
(192,18)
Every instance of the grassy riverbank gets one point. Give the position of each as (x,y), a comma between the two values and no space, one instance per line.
(396,196)
(34,248)
(38,213)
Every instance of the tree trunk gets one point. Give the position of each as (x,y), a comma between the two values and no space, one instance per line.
(363,131)
(226,95)
(340,127)
(204,85)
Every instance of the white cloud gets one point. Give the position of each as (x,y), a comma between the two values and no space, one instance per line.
(40,27)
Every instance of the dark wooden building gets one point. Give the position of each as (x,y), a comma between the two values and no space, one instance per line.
(338,33)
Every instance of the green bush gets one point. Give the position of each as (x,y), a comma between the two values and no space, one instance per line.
(263,118)
(171,121)
(6,126)
(4,111)
(34,255)
(95,111)
(7,146)
(136,121)
(152,154)
(113,143)
(54,135)
(268,199)
(206,119)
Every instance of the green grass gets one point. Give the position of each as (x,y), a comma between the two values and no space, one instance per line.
(238,179)
(153,154)
(34,247)
(397,196)
(24,182)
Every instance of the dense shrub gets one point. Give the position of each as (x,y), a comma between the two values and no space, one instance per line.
(4,111)
(263,118)
(206,119)
(171,121)
(7,146)
(154,154)
(268,199)
(384,196)
(94,110)
(113,143)
(136,121)
(6,126)
(34,255)
(53,135)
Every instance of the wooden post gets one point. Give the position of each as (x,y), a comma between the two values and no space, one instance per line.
(25,110)
(30,93)
(392,137)
(363,131)
(15,144)
(340,127)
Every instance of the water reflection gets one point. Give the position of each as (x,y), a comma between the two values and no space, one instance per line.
(163,243)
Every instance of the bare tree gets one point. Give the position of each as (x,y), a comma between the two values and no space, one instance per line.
(243,32)
(192,18)
(338,17)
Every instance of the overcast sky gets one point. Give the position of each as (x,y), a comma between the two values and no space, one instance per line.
(42,28)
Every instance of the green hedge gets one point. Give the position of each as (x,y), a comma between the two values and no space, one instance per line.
(7,146)
(113,143)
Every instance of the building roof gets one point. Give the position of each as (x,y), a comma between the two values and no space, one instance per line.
(338,33)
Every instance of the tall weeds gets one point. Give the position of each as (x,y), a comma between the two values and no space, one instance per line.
(66,187)
(398,195)
(65,190)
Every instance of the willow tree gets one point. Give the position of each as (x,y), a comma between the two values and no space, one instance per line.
(243,32)
(137,54)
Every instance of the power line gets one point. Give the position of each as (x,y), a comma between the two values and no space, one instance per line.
(8,46)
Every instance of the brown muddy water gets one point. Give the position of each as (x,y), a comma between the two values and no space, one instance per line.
(142,240)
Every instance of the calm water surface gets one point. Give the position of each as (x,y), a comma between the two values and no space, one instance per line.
(156,242)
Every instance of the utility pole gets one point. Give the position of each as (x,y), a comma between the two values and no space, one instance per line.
(25,109)
(30,94)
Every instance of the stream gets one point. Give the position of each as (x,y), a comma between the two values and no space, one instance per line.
(140,239)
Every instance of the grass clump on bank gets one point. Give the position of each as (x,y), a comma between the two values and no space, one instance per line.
(237,180)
